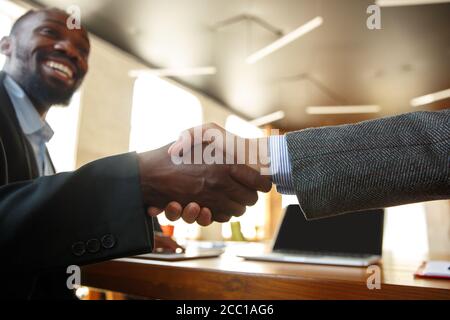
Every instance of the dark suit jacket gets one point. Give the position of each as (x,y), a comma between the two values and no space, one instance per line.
(93,214)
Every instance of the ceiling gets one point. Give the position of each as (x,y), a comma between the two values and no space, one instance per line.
(340,63)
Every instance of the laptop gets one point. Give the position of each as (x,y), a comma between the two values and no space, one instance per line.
(353,239)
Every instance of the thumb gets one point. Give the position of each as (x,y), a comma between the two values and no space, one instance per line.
(184,142)
(192,137)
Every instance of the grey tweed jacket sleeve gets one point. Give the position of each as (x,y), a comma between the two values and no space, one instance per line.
(372,164)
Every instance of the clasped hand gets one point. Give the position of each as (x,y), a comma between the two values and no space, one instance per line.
(201,193)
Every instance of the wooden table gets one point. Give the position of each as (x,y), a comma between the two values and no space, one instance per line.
(230,277)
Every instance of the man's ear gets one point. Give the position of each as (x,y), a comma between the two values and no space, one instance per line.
(6,46)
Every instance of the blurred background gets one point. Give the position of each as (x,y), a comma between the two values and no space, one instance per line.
(160,66)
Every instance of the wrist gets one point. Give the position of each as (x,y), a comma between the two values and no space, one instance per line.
(150,175)
(257,157)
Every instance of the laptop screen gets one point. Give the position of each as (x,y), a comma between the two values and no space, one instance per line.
(353,233)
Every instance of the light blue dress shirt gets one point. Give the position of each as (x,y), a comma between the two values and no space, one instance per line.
(280,165)
(37,130)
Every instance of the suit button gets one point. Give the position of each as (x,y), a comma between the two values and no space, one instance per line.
(93,245)
(108,241)
(78,249)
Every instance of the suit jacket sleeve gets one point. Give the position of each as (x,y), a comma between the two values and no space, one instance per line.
(372,164)
(93,214)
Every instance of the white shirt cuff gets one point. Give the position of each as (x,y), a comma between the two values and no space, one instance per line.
(280,165)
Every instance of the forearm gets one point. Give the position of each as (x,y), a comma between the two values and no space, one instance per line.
(42,221)
(373,164)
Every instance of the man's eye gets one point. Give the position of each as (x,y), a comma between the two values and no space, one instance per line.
(49,32)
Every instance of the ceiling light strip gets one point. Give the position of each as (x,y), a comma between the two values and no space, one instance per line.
(275,116)
(430,98)
(285,40)
(343,109)
(174,72)
(395,3)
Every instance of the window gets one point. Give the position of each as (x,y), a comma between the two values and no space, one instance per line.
(405,233)
(161,110)
(63,146)
(253,221)
(9,12)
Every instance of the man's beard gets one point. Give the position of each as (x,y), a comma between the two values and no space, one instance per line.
(43,93)
(37,88)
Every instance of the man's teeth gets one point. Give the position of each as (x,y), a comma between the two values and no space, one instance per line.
(60,67)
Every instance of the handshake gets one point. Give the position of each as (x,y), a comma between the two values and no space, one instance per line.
(207,175)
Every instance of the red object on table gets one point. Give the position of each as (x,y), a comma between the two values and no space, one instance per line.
(420,273)
(168,230)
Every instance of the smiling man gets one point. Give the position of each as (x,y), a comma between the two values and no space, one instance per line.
(42,71)
(51,221)
(48,60)
(49,71)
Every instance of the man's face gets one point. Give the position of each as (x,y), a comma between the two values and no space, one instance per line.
(49,60)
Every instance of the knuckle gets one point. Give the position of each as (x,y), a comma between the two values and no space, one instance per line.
(171,217)
(221,218)
(240,211)
(268,185)
(263,185)
(253,199)
(217,181)
(199,187)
